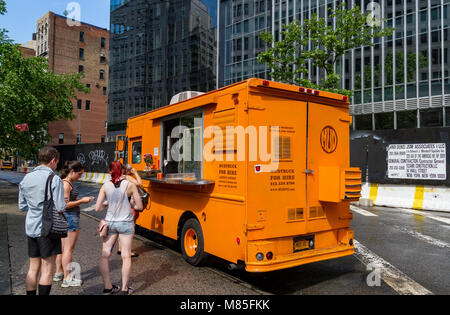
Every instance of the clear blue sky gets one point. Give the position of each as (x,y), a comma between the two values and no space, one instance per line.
(20,20)
(22,15)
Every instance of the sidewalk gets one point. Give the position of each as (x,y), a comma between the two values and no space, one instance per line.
(156,271)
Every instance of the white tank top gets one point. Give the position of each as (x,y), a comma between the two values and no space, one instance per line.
(116,196)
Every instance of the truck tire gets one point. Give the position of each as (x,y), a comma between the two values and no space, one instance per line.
(192,243)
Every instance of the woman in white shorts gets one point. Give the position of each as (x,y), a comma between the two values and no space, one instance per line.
(121,195)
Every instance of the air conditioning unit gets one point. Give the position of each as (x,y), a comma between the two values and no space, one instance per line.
(183,96)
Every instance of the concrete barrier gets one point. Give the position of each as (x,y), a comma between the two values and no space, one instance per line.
(408,196)
(97,178)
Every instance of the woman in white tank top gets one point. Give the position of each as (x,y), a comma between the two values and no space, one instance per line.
(118,193)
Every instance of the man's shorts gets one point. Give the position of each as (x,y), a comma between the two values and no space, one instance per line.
(73,220)
(43,247)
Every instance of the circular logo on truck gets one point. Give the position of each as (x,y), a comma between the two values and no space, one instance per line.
(328,139)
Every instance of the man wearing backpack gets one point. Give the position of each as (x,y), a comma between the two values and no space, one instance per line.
(42,251)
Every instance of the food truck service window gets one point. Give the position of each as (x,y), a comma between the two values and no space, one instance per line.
(136,157)
(182,144)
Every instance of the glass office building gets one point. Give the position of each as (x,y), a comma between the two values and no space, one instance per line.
(157,49)
(402,81)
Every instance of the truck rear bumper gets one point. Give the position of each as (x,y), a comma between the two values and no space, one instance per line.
(298,259)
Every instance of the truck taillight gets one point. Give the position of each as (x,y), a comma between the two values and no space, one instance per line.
(302,90)
(345,98)
(266,83)
(316,92)
(309,91)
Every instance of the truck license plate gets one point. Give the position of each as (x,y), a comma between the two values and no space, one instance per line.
(302,243)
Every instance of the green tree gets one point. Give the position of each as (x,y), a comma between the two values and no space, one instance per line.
(320,43)
(31,94)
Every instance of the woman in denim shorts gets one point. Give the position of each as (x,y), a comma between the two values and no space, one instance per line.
(121,195)
(70,173)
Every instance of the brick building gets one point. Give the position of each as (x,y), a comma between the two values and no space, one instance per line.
(27,52)
(81,48)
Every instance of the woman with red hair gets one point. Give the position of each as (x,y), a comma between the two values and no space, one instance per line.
(118,193)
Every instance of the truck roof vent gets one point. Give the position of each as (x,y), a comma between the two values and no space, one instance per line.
(183,96)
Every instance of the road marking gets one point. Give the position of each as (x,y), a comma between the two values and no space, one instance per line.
(423,237)
(422,213)
(88,209)
(396,279)
(362,211)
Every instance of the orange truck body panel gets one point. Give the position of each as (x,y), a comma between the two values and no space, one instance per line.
(249,211)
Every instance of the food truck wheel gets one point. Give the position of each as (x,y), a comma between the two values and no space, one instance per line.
(192,244)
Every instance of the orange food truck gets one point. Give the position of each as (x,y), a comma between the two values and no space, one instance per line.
(256,173)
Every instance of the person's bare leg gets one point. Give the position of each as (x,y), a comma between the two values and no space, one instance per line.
(108,244)
(126,241)
(47,270)
(59,266)
(31,281)
(69,247)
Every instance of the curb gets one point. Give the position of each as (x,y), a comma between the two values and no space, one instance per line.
(417,197)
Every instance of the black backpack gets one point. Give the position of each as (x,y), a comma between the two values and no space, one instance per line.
(54,223)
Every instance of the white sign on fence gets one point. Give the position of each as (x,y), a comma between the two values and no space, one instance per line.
(417,161)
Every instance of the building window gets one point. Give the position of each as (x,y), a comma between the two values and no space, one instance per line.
(384,121)
(363,122)
(81,53)
(88,105)
(80,69)
(88,85)
(79,104)
(82,37)
(407,119)
(103,42)
(432,117)
(105,91)
(102,59)
(78,138)
(102,75)
(61,138)
(103,139)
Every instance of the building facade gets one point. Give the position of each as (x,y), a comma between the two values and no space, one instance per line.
(402,81)
(82,48)
(158,49)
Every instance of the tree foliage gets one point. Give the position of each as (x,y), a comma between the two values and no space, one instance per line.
(31,94)
(321,44)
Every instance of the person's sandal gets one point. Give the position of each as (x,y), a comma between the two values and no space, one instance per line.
(133,255)
(113,290)
(127,292)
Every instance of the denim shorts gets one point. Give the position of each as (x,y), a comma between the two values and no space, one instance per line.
(120,227)
(73,220)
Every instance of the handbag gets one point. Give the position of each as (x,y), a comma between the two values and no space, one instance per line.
(54,223)
(103,226)
(145,197)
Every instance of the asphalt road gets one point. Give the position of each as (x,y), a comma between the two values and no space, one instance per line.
(398,251)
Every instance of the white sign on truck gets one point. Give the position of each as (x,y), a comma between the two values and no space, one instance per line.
(426,161)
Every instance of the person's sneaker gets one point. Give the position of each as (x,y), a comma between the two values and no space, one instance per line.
(58,277)
(113,290)
(71,283)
